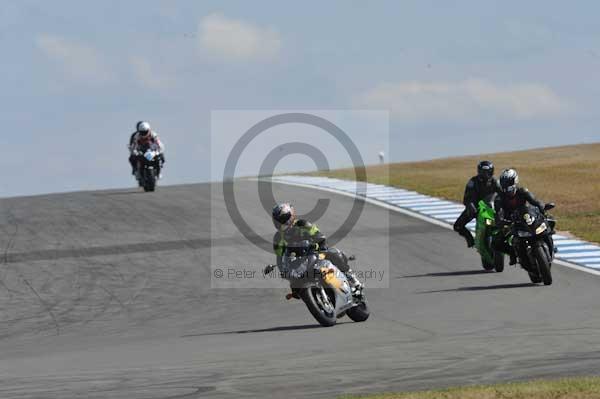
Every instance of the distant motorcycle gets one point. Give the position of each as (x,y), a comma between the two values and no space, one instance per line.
(485,231)
(321,285)
(531,237)
(148,168)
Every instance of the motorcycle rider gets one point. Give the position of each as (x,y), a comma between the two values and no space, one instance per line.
(481,187)
(511,198)
(290,229)
(145,136)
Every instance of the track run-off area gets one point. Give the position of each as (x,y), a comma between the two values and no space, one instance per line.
(108,294)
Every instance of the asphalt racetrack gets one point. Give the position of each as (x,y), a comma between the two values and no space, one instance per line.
(108,294)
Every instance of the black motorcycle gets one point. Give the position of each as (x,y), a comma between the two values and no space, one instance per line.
(532,241)
(149,164)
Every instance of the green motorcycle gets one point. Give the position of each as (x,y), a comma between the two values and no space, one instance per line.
(485,231)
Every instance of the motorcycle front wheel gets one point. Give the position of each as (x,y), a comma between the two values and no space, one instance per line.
(320,304)
(486,265)
(543,263)
(149,181)
(498,261)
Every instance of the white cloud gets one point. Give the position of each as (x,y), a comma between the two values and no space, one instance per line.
(416,100)
(148,77)
(235,39)
(77,60)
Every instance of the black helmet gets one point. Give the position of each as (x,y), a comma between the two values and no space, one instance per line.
(508,181)
(284,215)
(485,170)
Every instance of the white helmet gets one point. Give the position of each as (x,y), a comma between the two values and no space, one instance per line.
(508,181)
(143,128)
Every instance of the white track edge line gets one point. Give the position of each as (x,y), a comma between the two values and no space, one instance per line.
(417,216)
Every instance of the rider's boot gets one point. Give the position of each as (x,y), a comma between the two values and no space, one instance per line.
(293,294)
(133,164)
(355,285)
(466,234)
(512,258)
(470,240)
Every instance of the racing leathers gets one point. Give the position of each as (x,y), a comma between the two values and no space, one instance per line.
(302,230)
(477,189)
(131,147)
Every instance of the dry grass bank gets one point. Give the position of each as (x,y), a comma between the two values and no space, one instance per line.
(568,176)
(567,388)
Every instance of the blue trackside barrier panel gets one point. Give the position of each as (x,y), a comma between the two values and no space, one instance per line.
(569,249)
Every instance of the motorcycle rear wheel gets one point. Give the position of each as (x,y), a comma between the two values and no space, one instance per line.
(359,313)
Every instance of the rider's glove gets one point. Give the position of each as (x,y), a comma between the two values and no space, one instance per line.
(269,269)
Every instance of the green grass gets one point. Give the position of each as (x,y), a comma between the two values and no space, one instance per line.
(568,176)
(566,388)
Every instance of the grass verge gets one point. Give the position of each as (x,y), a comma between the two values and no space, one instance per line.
(568,176)
(566,388)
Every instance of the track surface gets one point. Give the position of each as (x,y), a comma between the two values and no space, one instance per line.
(107,294)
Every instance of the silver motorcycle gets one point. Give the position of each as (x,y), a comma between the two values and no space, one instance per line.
(320,284)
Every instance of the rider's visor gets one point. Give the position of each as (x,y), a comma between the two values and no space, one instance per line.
(511,190)
(486,173)
(284,221)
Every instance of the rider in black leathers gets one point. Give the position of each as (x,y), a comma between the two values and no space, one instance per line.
(511,198)
(481,187)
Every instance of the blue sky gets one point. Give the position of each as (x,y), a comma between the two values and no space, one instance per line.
(458,77)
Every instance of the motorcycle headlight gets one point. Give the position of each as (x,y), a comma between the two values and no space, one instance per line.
(541,228)
(522,233)
(528,219)
(488,222)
